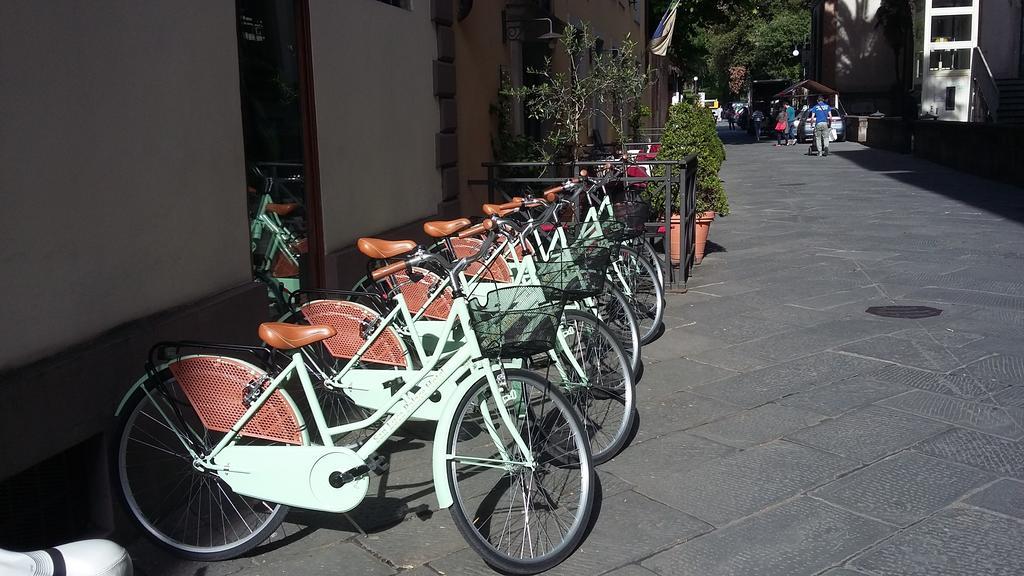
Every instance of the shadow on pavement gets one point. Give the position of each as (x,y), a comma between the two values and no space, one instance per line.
(998,198)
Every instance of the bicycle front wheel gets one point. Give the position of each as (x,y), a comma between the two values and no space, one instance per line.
(593,372)
(193,513)
(615,310)
(522,513)
(639,282)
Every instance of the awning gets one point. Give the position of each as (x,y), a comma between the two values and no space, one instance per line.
(807,88)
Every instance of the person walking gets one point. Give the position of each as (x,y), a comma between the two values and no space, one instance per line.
(822,113)
(757,117)
(781,127)
(790,121)
(730,115)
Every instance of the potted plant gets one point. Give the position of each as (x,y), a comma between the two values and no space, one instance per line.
(691,130)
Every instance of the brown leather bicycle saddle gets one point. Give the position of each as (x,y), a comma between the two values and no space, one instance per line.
(282,209)
(290,336)
(379,249)
(444,228)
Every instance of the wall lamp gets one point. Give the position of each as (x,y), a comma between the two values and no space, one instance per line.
(513,29)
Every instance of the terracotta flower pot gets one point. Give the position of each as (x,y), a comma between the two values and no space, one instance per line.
(674,250)
(702,226)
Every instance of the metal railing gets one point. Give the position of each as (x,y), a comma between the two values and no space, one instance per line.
(985,100)
(679,177)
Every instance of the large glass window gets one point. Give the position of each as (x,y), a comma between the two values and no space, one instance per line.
(268,53)
(952,28)
(951,3)
(950,59)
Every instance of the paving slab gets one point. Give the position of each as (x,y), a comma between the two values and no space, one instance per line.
(958,385)
(735,329)
(956,542)
(757,426)
(806,341)
(678,411)
(416,540)
(868,434)
(631,570)
(903,489)
(914,353)
(998,455)
(997,372)
(655,463)
(629,527)
(664,378)
(740,484)
(1005,421)
(1005,497)
(801,537)
(842,396)
(760,386)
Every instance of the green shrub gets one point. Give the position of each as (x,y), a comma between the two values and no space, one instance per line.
(691,129)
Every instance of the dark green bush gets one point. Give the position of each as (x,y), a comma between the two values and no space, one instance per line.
(691,129)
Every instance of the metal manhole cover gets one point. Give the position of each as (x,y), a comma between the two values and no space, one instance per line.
(911,312)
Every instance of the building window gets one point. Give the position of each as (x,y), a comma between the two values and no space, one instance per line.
(956,28)
(951,3)
(950,97)
(950,59)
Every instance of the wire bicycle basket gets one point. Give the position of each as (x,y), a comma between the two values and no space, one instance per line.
(579,270)
(607,233)
(517,321)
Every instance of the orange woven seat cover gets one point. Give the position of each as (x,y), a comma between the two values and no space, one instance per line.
(417,293)
(348,319)
(215,386)
(498,271)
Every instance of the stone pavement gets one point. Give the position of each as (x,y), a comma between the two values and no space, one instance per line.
(783,431)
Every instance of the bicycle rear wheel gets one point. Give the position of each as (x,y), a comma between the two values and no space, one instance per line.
(639,282)
(193,513)
(520,519)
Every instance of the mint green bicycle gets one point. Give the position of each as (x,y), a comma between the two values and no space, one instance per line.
(213,448)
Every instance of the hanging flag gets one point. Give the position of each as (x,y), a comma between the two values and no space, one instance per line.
(663,33)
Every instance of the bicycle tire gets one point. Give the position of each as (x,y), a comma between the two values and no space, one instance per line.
(640,284)
(164,477)
(654,259)
(606,403)
(615,310)
(556,439)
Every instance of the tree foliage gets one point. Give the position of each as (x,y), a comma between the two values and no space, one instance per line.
(616,81)
(730,42)
(692,130)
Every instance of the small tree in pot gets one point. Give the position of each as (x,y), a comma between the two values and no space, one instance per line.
(691,130)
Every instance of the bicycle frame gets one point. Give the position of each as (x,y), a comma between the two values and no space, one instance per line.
(281,473)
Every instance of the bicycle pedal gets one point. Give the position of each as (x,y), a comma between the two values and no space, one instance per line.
(378,464)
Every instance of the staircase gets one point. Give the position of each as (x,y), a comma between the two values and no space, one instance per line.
(1011,101)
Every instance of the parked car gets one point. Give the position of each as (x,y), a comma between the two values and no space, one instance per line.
(805,127)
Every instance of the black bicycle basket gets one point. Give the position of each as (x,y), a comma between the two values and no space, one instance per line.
(633,214)
(517,321)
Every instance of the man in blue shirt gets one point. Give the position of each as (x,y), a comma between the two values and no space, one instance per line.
(822,113)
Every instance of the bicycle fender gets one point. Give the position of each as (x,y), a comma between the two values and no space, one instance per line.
(444,426)
(131,391)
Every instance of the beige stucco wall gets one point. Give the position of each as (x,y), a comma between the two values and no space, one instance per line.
(376,116)
(479,55)
(999,37)
(863,61)
(121,165)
